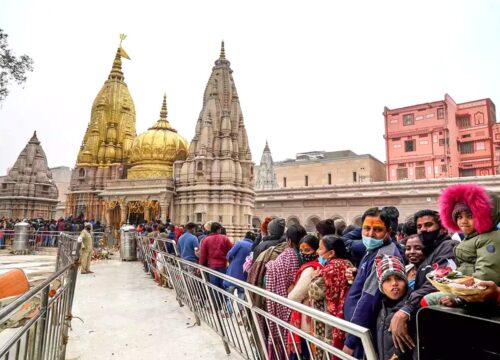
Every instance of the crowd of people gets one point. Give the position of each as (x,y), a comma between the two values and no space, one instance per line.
(374,276)
(43,231)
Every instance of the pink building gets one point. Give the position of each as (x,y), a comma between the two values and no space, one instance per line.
(442,139)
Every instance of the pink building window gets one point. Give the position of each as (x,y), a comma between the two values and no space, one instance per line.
(463,121)
(402,173)
(408,119)
(410,145)
(466,147)
(440,113)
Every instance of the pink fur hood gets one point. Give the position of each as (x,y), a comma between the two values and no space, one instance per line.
(476,198)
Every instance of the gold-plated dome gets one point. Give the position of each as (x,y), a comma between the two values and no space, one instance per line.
(112,121)
(154,152)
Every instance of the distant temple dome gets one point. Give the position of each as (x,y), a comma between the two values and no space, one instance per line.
(154,152)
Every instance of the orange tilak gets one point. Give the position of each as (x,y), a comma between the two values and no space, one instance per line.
(373,222)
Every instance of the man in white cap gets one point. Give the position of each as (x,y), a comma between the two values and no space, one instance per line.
(87,247)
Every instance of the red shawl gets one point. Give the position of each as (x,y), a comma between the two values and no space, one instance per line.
(336,289)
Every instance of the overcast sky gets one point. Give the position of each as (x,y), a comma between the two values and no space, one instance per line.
(312,75)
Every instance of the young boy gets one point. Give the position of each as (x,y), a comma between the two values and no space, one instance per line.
(469,208)
(393,285)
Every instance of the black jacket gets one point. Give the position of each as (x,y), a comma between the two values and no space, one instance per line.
(440,255)
(267,242)
(385,345)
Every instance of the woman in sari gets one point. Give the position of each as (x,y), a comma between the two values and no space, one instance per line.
(329,290)
(297,346)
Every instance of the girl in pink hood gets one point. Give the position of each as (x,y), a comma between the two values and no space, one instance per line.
(468,208)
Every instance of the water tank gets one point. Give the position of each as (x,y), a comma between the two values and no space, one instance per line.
(21,237)
(128,242)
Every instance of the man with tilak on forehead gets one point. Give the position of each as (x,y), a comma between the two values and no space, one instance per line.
(364,297)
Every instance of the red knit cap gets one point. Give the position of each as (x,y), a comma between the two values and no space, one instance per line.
(387,265)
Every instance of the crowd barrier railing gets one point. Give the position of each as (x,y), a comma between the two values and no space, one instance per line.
(40,319)
(43,239)
(252,331)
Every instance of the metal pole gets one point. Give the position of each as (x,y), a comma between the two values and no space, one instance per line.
(42,327)
(72,275)
(256,329)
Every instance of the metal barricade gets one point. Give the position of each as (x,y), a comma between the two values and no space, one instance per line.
(43,332)
(242,325)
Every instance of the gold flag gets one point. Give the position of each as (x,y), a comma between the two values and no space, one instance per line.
(123,54)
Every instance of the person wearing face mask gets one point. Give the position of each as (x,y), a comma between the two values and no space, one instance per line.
(308,252)
(364,296)
(437,248)
(329,290)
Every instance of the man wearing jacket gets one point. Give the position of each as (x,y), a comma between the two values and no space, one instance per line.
(214,249)
(86,249)
(438,248)
(362,302)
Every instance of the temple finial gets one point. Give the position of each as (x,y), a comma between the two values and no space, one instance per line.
(116,69)
(163,112)
(34,138)
(222,51)
(266,148)
(122,37)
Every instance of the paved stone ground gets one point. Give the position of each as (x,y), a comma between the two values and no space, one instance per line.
(37,267)
(127,316)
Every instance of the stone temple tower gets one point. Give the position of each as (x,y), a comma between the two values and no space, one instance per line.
(266,176)
(215,182)
(104,151)
(28,190)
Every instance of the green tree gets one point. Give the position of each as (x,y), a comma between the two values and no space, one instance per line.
(12,68)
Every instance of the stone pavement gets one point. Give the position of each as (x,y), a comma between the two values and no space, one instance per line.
(127,316)
(37,267)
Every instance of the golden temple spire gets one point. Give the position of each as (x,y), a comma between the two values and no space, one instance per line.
(164,112)
(222,55)
(163,123)
(116,70)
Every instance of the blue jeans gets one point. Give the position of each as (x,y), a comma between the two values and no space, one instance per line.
(217,281)
(241,294)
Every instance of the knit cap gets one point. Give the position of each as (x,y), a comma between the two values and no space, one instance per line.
(458,209)
(276,227)
(208,225)
(387,265)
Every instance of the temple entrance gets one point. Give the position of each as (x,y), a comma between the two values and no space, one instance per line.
(135,218)
(143,211)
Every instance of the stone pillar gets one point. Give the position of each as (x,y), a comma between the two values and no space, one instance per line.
(171,210)
(123,214)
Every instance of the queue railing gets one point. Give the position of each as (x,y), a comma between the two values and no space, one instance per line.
(38,321)
(44,239)
(251,330)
